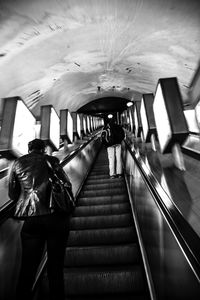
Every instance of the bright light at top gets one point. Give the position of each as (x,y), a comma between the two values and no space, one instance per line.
(129,103)
(110,116)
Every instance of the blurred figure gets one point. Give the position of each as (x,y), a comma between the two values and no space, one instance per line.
(29,188)
(112,136)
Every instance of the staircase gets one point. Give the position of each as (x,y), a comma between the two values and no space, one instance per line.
(103,260)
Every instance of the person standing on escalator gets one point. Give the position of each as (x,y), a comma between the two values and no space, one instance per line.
(29,188)
(112,136)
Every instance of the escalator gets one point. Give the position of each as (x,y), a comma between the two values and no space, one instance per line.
(103,259)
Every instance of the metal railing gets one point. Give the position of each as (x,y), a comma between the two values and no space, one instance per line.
(185,236)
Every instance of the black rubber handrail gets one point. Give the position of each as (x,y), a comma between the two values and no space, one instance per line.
(6,211)
(187,238)
(75,152)
(4,172)
(190,152)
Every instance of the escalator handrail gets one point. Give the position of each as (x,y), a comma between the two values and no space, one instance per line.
(75,152)
(4,172)
(6,211)
(187,238)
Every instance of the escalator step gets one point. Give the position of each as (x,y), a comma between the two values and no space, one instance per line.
(106,192)
(100,176)
(44,294)
(98,172)
(94,222)
(102,200)
(99,181)
(122,296)
(102,255)
(100,280)
(106,209)
(102,236)
(102,186)
(100,167)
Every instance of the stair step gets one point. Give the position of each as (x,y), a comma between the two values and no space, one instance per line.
(98,172)
(94,222)
(102,200)
(44,294)
(98,181)
(100,167)
(106,209)
(106,192)
(102,255)
(102,236)
(100,176)
(127,279)
(102,186)
(92,180)
(121,296)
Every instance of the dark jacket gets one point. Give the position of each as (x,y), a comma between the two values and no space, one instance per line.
(112,134)
(29,184)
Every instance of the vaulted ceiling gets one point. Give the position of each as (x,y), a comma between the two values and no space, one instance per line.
(70,52)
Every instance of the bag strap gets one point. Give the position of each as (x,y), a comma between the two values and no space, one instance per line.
(49,165)
(52,174)
(70,194)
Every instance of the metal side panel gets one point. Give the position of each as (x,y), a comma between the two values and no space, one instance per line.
(172,274)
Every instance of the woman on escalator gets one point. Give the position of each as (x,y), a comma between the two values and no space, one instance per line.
(112,137)
(29,188)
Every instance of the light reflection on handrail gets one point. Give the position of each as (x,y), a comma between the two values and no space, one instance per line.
(4,172)
(73,153)
(6,211)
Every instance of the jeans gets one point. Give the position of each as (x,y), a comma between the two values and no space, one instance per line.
(50,230)
(114,157)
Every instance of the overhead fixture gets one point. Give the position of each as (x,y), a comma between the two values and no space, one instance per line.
(129,103)
(110,116)
(171,125)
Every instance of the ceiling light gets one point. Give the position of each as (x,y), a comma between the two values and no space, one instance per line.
(129,103)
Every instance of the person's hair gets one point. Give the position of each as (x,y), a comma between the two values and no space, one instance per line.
(36,144)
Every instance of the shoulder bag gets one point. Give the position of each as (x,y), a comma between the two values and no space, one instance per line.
(61,198)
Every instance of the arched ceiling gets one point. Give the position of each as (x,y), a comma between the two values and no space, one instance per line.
(104,105)
(70,52)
